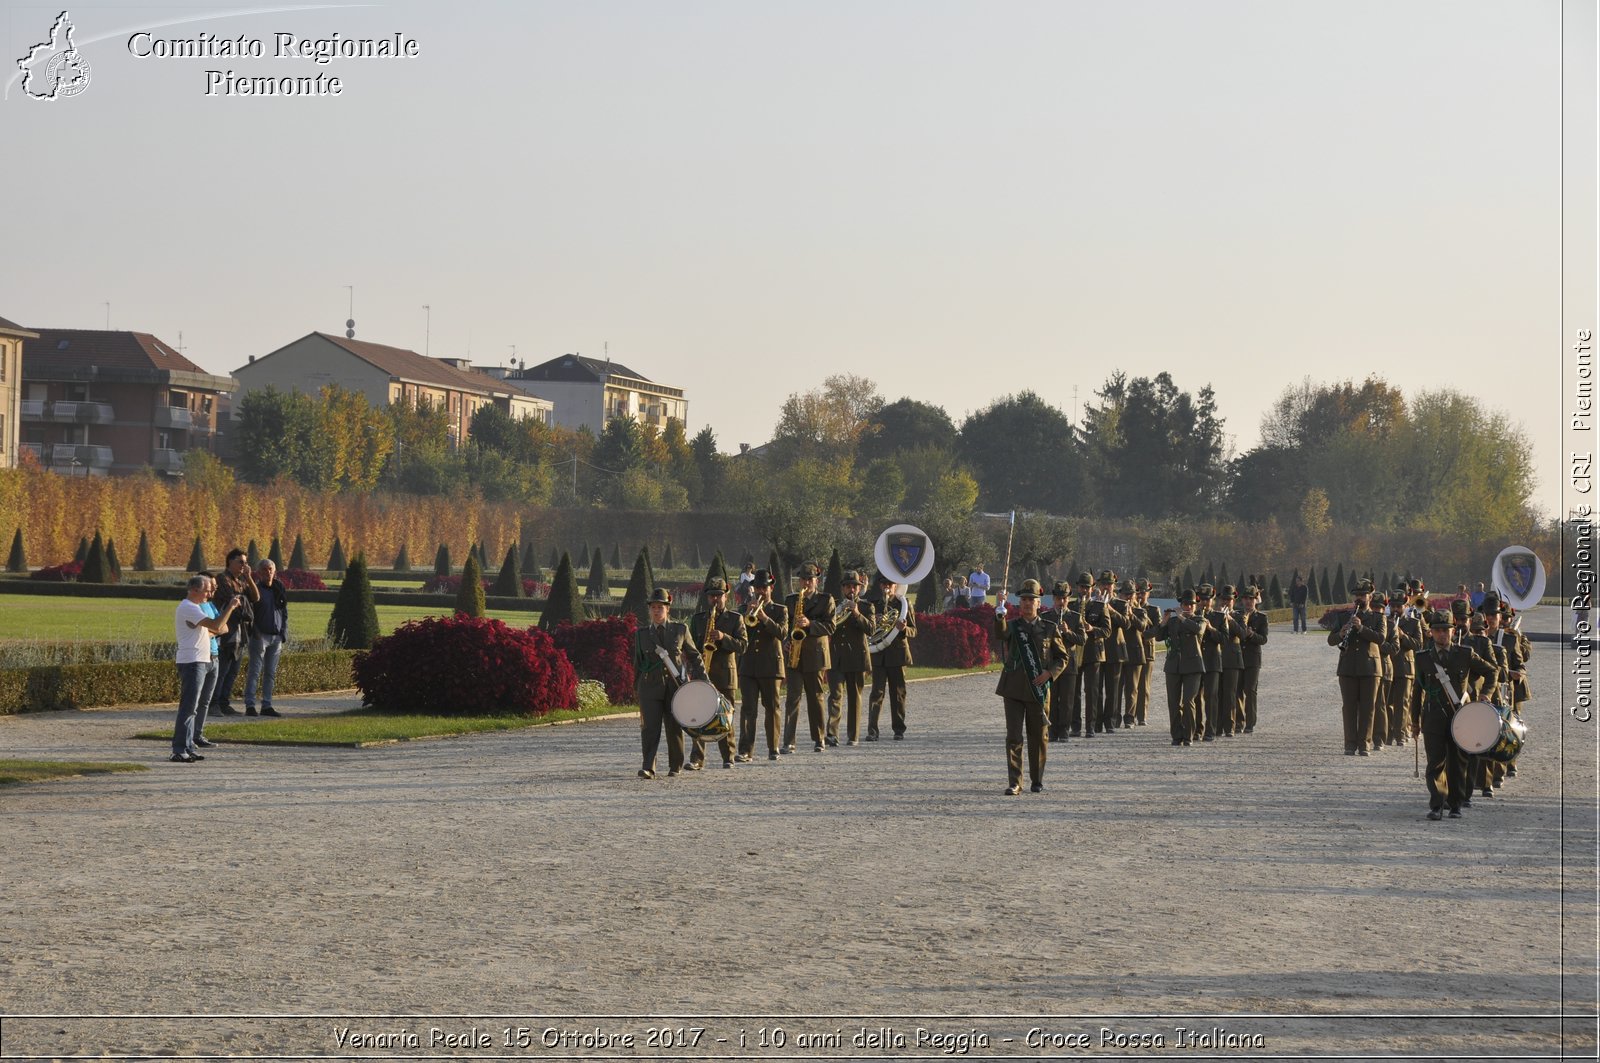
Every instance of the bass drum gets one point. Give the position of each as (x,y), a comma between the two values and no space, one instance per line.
(702,711)
(1484,729)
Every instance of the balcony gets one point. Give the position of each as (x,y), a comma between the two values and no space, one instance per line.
(174,417)
(81,412)
(37,449)
(66,456)
(33,409)
(167,461)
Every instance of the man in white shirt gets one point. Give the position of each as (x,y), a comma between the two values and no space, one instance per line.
(194,630)
(978,586)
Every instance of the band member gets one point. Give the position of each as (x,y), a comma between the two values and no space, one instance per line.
(1408,636)
(1255,636)
(1141,597)
(1208,717)
(810,624)
(1482,773)
(1116,653)
(1229,718)
(1443,671)
(848,645)
(1069,625)
(1360,664)
(721,643)
(1184,667)
(1096,633)
(656,646)
(890,663)
(1517,648)
(766,626)
(1033,656)
(1133,659)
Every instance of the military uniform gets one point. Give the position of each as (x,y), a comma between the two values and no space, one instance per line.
(1409,637)
(761,668)
(1133,659)
(1152,621)
(723,656)
(815,659)
(1230,719)
(1096,634)
(655,686)
(1029,648)
(1063,692)
(1184,668)
(1116,654)
(1360,665)
(1256,628)
(889,667)
(1208,719)
(1447,768)
(848,677)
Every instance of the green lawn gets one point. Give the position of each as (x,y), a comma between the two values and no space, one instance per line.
(365,727)
(19,771)
(114,619)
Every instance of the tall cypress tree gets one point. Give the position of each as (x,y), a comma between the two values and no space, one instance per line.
(113,563)
(95,569)
(469,599)
(508,584)
(698,559)
(18,561)
(252,554)
(297,557)
(834,583)
(565,604)
(1325,592)
(402,560)
(667,564)
(142,561)
(274,552)
(597,588)
(197,557)
(354,623)
(336,561)
(1274,593)
(616,555)
(641,585)
(83,550)
(780,577)
(441,561)
(719,568)
(927,600)
(530,565)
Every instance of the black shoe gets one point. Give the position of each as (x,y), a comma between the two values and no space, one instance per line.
(204,743)
(872,738)
(1362,752)
(1466,802)
(817,748)
(1511,771)
(646,773)
(1185,741)
(743,758)
(249,710)
(181,758)
(1177,741)
(1075,732)
(1208,738)
(855,741)
(898,735)
(1249,730)
(270,711)
(225,710)
(833,741)
(1038,787)
(1455,813)
(788,748)
(727,764)
(1012,791)
(1487,792)
(1086,734)
(694,765)
(1349,752)
(195,756)
(673,773)
(772,755)
(1435,813)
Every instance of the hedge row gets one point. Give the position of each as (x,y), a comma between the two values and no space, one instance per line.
(81,686)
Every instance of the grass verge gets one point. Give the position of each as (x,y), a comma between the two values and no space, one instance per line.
(20,771)
(368,727)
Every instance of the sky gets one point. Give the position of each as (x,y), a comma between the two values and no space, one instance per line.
(958,200)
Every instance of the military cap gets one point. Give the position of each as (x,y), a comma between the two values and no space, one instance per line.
(1186,597)
(1476,623)
(807,571)
(1107,576)
(1086,579)
(716,585)
(885,580)
(851,579)
(1062,590)
(761,578)
(1364,586)
(1438,618)
(1251,591)
(661,596)
(1398,595)
(1205,590)
(1460,607)
(1141,584)
(1030,589)
(1125,587)
(1226,592)
(1490,603)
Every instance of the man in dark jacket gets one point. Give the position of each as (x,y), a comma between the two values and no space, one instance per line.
(848,643)
(1359,639)
(235,581)
(890,663)
(268,632)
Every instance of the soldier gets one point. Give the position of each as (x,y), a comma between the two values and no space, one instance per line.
(1208,715)
(1141,597)
(1230,719)
(1517,649)
(1096,632)
(1408,638)
(814,622)
(1133,661)
(1033,655)
(1255,636)
(1360,663)
(656,646)
(848,645)
(890,663)
(1443,671)
(766,626)
(1184,667)
(721,644)
(1481,773)
(1116,652)
(1069,626)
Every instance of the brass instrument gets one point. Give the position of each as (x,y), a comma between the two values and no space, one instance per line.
(797,634)
(752,611)
(708,650)
(843,609)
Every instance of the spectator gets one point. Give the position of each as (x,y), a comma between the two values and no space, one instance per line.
(978,586)
(961,592)
(1462,594)
(1477,597)
(742,592)
(949,601)
(236,582)
(1297,599)
(196,624)
(268,632)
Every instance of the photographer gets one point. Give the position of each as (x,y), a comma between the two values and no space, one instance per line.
(236,581)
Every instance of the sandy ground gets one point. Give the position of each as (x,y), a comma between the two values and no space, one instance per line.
(1265,885)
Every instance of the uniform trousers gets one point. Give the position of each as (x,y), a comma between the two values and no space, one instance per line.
(809,684)
(1228,702)
(1357,696)
(1111,694)
(844,688)
(1129,688)
(1061,697)
(1399,709)
(1183,693)
(760,696)
(653,715)
(890,681)
(1025,718)
(1073,697)
(1141,700)
(1381,735)
(1092,693)
(1447,768)
(1249,681)
(724,744)
(1208,717)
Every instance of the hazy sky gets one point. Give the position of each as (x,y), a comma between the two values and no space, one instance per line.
(957,199)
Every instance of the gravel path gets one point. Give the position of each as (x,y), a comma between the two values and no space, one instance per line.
(1266,885)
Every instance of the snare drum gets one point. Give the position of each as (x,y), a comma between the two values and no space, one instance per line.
(702,711)
(1484,729)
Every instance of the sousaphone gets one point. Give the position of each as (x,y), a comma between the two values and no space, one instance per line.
(904,554)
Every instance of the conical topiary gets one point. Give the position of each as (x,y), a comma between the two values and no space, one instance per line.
(354,623)
(616,555)
(336,562)
(1324,592)
(530,559)
(297,556)
(469,599)
(698,559)
(95,569)
(641,585)
(555,557)
(252,554)
(530,567)
(1222,574)
(596,589)
(834,583)
(483,554)
(1274,593)
(197,557)
(508,584)
(1338,593)
(83,550)
(927,600)
(142,561)
(1188,578)
(719,568)
(274,553)
(402,560)
(18,561)
(780,577)
(441,561)
(667,564)
(113,562)
(564,605)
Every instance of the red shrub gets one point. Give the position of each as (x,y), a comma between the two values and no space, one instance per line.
(982,615)
(534,589)
(602,650)
(60,573)
(951,641)
(465,666)
(299,579)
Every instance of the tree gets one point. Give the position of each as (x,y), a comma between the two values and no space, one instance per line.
(1324,590)
(906,424)
(95,569)
(469,598)
(112,562)
(252,554)
(616,555)
(336,562)
(274,552)
(1275,593)
(142,561)
(1154,450)
(530,565)
(668,563)
(598,588)
(508,584)
(1168,546)
(441,561)
(826,423)
(354,623)
(402,560)
(718,569)
(833,583)
(273,432)
(1022,448)
(18,560)
(641,584)
(197,557)
(565,604)
(297,557)
(1038,539)
(780,576)
(83,550)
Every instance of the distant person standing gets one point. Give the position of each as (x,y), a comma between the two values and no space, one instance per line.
(977,585)
(269,630)
(236,582)
(194,628)
(1297,600)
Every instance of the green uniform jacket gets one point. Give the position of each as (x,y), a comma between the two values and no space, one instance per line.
(848,643)
(724,670)
(1047,649)
(1460,663)
(1255,636)
(1183,635)
(650,674)
(1133,637)
(814,656)
(1362,654)
(898,653)
(764,653)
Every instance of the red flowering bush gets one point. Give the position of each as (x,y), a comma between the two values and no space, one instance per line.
(602,650)
(951,641)
(465,666)
(60,573)
(982,615)
(300,579)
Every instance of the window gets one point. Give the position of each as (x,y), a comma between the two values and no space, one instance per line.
(2,433)
(5,360)
(163,440)
(77,392)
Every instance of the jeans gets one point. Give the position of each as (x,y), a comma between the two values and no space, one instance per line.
(263,666)
(1299,621)
(227,663)
(194,693)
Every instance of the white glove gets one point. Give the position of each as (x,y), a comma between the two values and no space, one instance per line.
(1000,610)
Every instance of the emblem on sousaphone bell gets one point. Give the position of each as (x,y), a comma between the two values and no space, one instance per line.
(1519,577)
(905,552)
(1518,570)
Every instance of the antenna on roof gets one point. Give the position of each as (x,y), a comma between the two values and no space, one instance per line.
(608,355)
(108,317)
(180,341)
(427,329)
(350,322)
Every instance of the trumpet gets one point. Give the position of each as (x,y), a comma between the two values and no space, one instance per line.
(844,609)
(752,611)
(797,634)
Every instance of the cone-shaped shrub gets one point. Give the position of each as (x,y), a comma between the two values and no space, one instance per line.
(274,553)
(667,563)
(555,557)
(18,561)
(718,568)
(469,599)
(197,557)
(1274,593)
(1222,574)
(635,600)
(83,549)
(1338,592)
(113,562)
(441,561)
(460,665)
(780,577)
(402,560)
(95,569)
(142,561)
(509,583)
(564,604)
(297,557)
(597,588)
(699,559)
(354,623)
(927,600)
(252,554)
(336,562)
(530,565)
(616,555)
(1324,591)
(834,583)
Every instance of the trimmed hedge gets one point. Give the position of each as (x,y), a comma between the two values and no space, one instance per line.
(82,686)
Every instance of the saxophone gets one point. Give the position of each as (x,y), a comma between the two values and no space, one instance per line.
(709,648)
(797,634)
